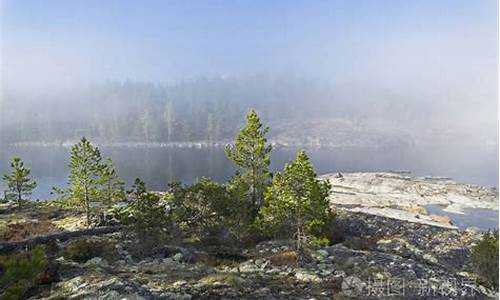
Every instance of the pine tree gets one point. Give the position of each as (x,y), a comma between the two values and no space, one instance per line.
(239,217)
(91,181)
(19,181)
(297,202)
(85,175)
(147,216)
(112,188)
(251,154)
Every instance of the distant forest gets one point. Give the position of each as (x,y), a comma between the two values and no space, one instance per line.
(299,110)
(199,110)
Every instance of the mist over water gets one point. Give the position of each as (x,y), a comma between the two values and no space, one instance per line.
(249,149)
(363,85)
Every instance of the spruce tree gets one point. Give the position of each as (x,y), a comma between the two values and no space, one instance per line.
(19,181)
(252,155)
(296,205)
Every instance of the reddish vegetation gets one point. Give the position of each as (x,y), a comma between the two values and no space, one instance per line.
(26,230)
(440,219)
(287,258)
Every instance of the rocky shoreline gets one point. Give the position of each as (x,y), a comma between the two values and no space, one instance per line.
(399,195)
(387,249)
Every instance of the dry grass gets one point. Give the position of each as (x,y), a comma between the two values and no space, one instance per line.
(414,209)
(440,219)
(286,258)
(224,279)
(26,230)
(71,222)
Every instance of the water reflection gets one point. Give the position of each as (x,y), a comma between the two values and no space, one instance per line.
(160,165)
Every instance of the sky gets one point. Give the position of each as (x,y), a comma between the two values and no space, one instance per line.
(440,45)
(437,59)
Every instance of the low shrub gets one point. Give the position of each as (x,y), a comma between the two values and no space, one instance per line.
(205,207)
(296,206)
(357,243)
(336,233)
(287,258)
(485,259)
(253,237)
(317,242)
(83,250)
(21,272)
(147,218)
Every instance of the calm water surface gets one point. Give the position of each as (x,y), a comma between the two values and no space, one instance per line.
(158,166)
(481,218)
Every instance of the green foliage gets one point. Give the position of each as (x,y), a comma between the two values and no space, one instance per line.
(21,272)
(238,215)
(252,155)
(206,207)
(147,216)
(195,206)
(91,181)
(296,205)
(85,168)
(112,188)
(485,259)
(19,181)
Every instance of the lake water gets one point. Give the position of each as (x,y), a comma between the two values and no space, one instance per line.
(159,165)
(478,217)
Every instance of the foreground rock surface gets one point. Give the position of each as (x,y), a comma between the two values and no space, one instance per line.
(385,247)
(374,258)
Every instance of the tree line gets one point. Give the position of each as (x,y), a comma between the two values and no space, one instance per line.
(253,204)
(198,110)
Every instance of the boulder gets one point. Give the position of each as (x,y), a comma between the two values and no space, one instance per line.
(353,286)
(175,296)
(178,257)
(96,262)
(307,277)
(322,253)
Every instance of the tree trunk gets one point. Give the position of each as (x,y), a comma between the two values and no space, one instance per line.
(298,244)
(87,207)
(299,232)
(19,198)
(255,206)
(87,212)
(110,194)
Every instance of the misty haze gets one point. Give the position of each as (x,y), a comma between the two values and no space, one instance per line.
(206,111)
